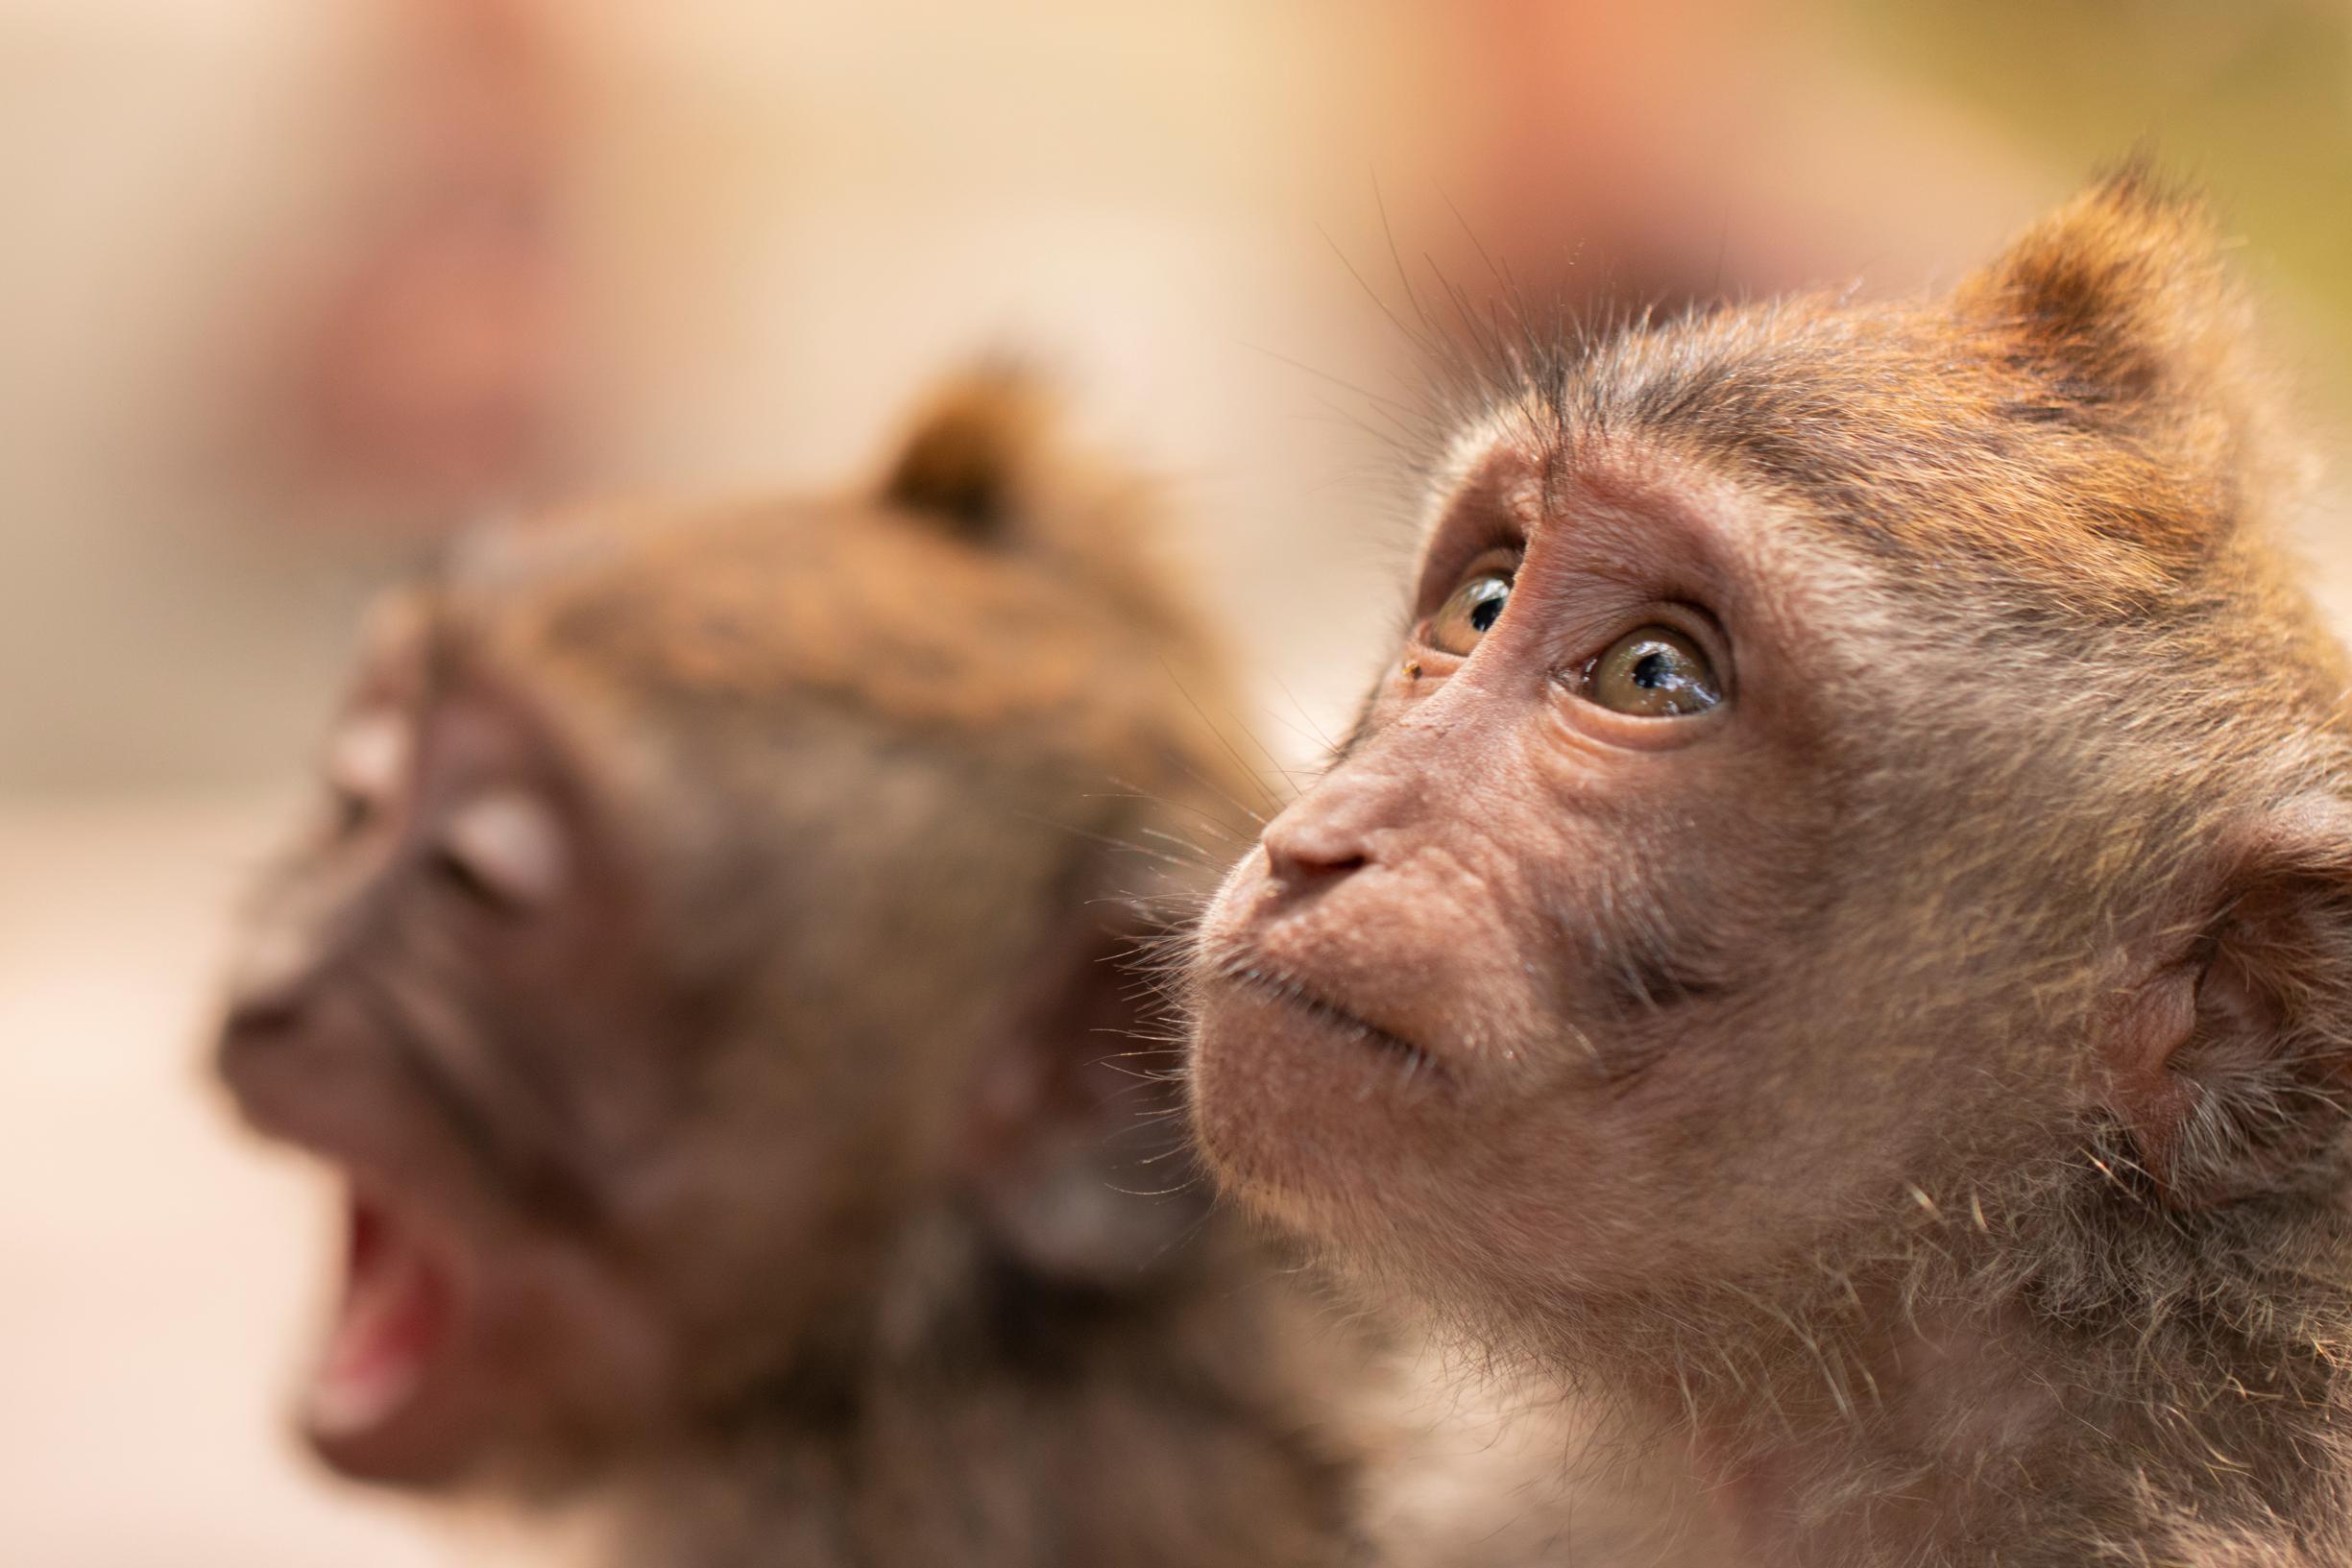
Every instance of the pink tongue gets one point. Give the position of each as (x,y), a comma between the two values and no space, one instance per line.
(395,1313)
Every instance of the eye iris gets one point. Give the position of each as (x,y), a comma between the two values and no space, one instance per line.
(1656,672)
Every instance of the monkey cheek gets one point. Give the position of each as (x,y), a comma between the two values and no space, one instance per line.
(1232,1133)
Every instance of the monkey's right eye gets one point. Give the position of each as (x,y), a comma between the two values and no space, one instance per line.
(1470,611)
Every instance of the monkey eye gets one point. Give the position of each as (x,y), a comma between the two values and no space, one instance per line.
(1654,672)
(1470,611)
(504,849)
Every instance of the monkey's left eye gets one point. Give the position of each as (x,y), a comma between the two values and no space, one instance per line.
(367,759)
(504,849)
(1470,611)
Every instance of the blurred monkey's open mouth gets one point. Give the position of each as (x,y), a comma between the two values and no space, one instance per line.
(394,1323)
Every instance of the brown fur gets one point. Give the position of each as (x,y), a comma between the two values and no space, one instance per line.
(1907,1103)
(803,1192)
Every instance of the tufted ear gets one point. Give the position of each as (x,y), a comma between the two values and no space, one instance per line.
(972,457)
(2116,301)
(1075,1157)
(2236,1071)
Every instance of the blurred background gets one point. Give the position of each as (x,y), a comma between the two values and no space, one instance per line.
(290,290)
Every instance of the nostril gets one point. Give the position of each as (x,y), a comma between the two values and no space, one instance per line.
(1310,858)
(1332,831)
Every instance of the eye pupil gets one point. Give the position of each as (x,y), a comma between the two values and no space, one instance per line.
(1652,671)
(1488,610)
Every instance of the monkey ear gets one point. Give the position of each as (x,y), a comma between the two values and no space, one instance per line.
(972,457)
(2236,1074)
(1076,1155)
(2115,302)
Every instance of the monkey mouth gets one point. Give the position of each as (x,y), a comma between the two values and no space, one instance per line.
(1277,986)
(369,1404)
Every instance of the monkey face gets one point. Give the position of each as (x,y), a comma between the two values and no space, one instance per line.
(442,992)
(709,914)
(1799,789)
(1491,989)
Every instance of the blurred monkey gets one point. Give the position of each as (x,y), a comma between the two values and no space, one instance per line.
(709,979)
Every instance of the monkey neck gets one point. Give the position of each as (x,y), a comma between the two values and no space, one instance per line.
(981,1415)
(1980,1407)
(1842,1442)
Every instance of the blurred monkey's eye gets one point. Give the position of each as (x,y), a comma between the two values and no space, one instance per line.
(504,849)
(1655,672)
(1470,611)
(367,763)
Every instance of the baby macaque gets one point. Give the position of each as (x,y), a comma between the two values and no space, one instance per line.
(1832,941)
(710,982)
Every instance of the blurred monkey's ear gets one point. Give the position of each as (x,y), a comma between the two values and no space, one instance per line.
(974,453)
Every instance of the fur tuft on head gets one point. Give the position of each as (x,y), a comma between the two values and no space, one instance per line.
(971,457)
(988,459)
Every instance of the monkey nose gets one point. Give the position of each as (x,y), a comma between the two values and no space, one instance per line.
(1306,850)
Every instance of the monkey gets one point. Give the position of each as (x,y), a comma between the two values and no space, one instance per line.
(708,979)
(1830,945)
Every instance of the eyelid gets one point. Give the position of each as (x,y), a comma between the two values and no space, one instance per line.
(511,842)
(1502,561)
(367,756)
(367,765)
